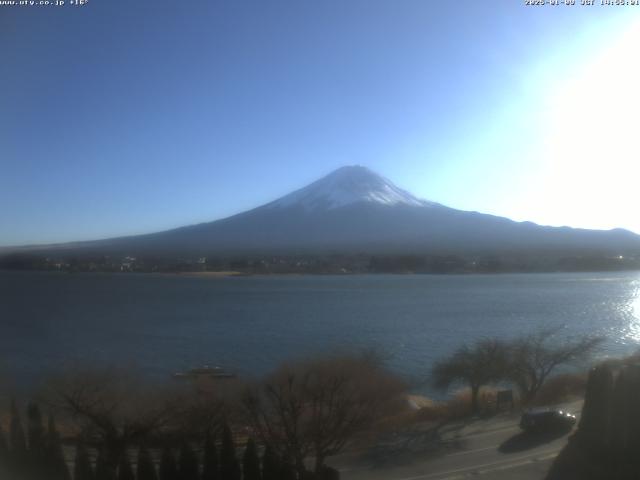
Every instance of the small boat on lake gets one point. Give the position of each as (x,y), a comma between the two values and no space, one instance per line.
(205,371)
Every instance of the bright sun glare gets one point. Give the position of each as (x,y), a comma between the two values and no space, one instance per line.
(634,325)
(592,138)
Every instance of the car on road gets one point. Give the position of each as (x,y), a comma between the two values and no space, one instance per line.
(546,420)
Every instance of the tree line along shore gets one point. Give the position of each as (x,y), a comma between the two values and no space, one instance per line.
(329,263)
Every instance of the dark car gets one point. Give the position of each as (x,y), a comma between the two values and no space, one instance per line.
(547,420)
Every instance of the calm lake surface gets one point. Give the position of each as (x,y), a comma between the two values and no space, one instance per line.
(166,323)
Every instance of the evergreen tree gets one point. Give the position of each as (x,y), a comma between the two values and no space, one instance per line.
(18,444)
(35,433)
(125,472)
(188,463)
(103,469)
(270,465)
(36,443)
(146,469)
(251,462)
(82,466)
(287,471)
(229,465)
(55,461)
(168,468)
(4,452)
(210,468)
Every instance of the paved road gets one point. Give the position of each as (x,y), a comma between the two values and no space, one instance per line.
(493,449)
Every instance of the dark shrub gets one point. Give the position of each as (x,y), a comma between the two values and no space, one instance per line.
(251,462)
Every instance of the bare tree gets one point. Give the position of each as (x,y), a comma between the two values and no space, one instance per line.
(475,366)
(534,356)
(206,405)
(314,408)
(111,405)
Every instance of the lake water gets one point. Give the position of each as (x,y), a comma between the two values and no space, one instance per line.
(165,323)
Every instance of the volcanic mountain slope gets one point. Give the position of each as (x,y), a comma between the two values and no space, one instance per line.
(355,210)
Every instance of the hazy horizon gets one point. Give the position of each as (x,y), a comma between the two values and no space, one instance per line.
(122,119)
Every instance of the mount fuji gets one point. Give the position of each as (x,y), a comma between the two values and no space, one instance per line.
(354,210)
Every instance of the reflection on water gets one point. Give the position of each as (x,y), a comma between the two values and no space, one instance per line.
(634,307)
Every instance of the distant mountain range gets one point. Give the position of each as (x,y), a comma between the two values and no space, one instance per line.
(354,210)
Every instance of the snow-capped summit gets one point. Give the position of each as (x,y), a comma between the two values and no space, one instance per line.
(346,186)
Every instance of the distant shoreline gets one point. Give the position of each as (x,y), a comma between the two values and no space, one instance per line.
(226,274)
(234,273)
(223,274)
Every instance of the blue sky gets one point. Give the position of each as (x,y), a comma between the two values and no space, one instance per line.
(125,117)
